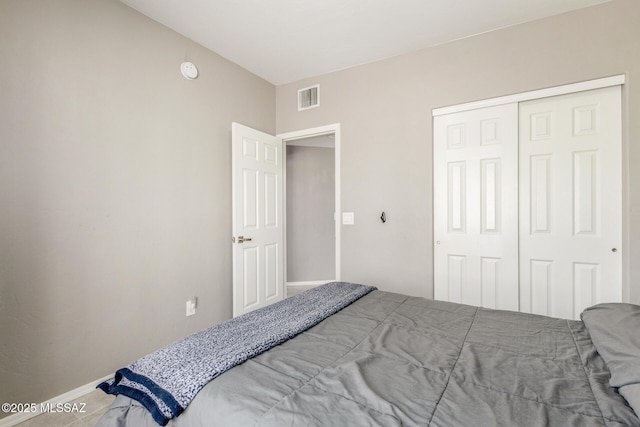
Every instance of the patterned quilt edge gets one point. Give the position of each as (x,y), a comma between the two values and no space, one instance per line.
(162,405)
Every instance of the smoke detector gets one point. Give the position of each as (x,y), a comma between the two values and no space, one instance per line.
(189,70)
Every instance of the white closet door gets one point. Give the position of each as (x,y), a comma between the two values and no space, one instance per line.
(475,207)
(570,202)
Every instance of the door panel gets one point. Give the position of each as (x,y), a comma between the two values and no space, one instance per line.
(570,202)
(475,205)
(257,173)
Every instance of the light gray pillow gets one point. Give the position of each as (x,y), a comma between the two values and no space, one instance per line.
(615,332)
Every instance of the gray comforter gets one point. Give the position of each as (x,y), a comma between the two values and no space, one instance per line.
(393,360)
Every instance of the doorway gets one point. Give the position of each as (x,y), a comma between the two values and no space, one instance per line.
(312,204)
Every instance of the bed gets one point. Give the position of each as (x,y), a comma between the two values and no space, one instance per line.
(387,359)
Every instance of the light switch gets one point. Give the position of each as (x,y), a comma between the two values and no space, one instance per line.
(348,218)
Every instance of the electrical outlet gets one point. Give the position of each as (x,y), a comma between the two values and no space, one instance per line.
(191,306)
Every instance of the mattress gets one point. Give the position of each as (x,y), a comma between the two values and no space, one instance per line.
(394,360)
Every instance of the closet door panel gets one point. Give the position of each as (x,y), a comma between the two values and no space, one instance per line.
(475,207)
(570,202)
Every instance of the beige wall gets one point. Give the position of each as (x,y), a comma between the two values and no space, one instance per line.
(384,109)
(311,244)
(114,186)
(115,171)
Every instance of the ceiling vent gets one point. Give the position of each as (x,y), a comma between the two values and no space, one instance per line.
(309,97)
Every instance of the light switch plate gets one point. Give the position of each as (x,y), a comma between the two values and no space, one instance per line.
(348,218)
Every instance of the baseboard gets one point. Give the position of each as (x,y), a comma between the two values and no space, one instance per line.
(74,394)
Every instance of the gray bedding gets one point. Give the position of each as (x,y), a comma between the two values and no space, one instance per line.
(393,360)
(166,381)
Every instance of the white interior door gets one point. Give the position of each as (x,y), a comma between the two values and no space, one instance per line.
(475,207)
(258,260)
(571,202)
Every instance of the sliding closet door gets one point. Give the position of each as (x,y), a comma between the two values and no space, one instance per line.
(570,202)
(475,207)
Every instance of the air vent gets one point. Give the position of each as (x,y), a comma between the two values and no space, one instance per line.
(309,97)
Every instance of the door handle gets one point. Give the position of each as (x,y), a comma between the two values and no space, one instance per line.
(241,239)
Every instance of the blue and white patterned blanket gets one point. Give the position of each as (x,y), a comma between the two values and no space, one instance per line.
(167,380)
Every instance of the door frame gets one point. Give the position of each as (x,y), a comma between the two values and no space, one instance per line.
(289,137)
(616,80)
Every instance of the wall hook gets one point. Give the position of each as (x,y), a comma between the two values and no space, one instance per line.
(383,217)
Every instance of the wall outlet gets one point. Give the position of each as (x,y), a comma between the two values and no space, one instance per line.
(191,306)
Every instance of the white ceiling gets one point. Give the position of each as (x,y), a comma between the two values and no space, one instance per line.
(287,40)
